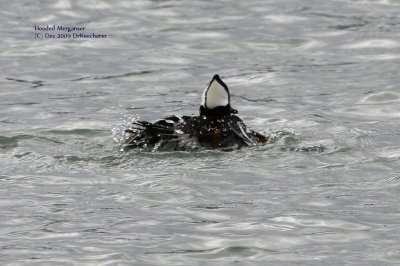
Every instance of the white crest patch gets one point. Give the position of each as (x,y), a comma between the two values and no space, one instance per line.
(215,95)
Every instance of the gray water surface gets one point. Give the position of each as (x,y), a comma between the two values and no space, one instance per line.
(322,77)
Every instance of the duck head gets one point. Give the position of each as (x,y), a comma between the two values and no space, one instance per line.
(216,99)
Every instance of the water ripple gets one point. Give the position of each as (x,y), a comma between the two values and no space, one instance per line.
(320,77)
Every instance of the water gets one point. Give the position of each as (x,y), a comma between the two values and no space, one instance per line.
(321,76)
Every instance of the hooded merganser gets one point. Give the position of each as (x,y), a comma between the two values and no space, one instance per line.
(217,126)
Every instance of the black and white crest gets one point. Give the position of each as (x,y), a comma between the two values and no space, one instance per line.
(216,99)
(216,127)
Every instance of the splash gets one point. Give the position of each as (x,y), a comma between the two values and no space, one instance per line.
(291,140)
(119,132)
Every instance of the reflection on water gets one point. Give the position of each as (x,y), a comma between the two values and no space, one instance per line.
(320,77)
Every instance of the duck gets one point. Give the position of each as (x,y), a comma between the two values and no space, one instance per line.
(216,127)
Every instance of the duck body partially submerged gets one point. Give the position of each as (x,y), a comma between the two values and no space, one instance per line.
(217,127)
